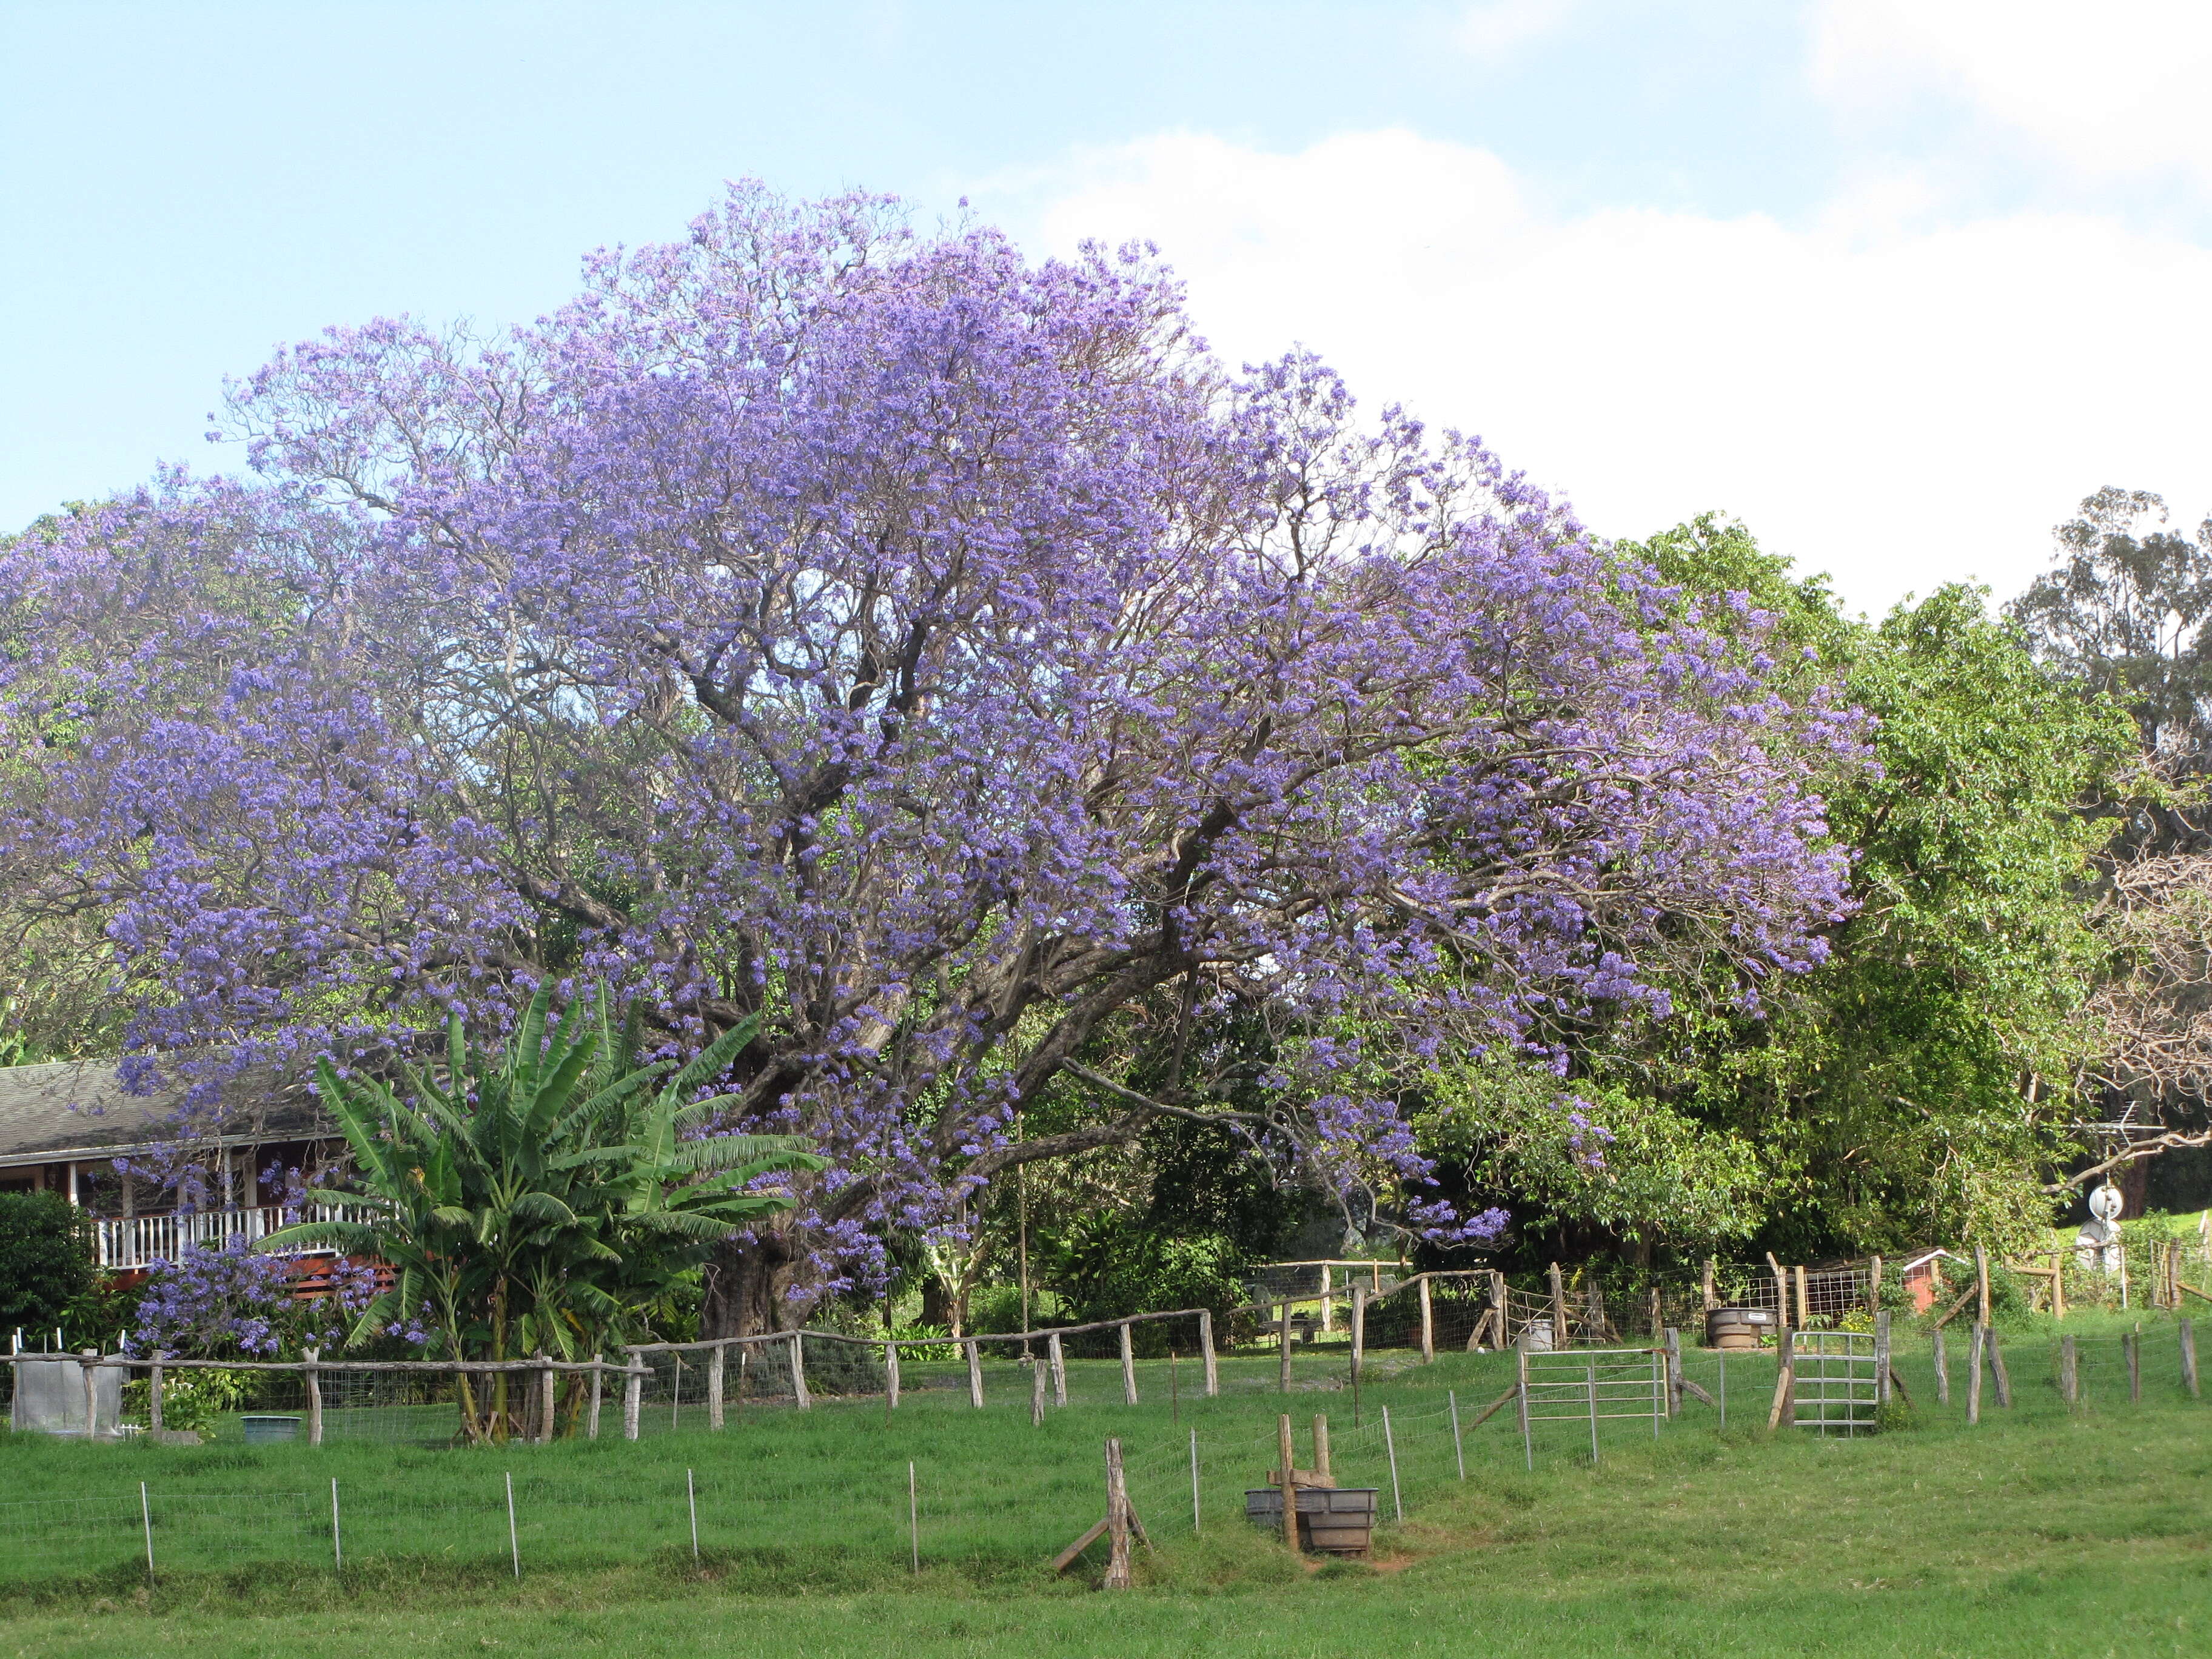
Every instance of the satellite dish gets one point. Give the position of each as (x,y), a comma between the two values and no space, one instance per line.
(2106,1203)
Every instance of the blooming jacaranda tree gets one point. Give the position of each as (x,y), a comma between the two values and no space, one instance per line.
(934,653)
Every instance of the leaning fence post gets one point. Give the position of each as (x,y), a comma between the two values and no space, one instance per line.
(1117,1520)
(1205,1347)
(2188,1335)
(1459,1450)
(310,1368)
(799,1371)
(632,1393)
(1974,1372)
(1128,1367)
(890,1377)
(1998,1374)
(1672,1340)
(716,1413)
(1428,1325)
(1057,1357)
(974,1373)
(154,1392)
(1785,1381)
(592,1422)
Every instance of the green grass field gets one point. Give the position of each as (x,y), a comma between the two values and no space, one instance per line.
(2038,1531)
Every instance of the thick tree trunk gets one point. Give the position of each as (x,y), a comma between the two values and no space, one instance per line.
(746,1283)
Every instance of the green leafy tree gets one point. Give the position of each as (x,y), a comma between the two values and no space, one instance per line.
(1915,1087)
(543,1197)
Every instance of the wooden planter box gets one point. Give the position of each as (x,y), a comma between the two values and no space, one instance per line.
(1332,1520)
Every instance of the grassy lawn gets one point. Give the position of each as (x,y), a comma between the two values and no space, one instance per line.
(2038,1531)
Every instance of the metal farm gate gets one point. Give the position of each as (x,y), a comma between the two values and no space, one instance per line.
(1578,1385)
(1836,1386)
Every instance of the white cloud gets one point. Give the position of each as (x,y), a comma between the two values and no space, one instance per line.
(1491,29)
(1898,405)
(2111,88)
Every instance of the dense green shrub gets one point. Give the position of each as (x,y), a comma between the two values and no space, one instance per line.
(45,1261)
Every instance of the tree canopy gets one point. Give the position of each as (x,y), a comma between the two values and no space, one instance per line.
(923,660)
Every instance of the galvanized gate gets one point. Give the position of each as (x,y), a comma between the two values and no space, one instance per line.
(1575,1385)
(1836,1386)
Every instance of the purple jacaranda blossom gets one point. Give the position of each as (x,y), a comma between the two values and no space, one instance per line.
(934,653)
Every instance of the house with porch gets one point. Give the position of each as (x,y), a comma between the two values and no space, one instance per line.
(64,1126)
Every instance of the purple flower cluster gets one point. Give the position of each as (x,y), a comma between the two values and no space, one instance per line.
(933,652)
(218,1301)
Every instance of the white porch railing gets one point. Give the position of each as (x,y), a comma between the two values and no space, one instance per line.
(141,1241)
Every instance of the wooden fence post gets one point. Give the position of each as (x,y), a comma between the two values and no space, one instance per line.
(1117,1520)
(1287,1474)
(1672,1340)
(1711,1300)
(1974,1372)
(598,1379)
(154,1392)
(2069,1371)
(1058,1358)
(1881,1366)
(715,1374)
(2132,1341)
(91,1392)
(1874,1287)
(2187,1333)
(1428,1325)
(799,1371)
(890,1377)
(1942,1369)
(1036,1392)
(633,1394)
(1128,1367)
(1982,1284)
(974,1373)
(1358,1332)
(1785,1383)
(1998,1374)
(1804,1303)
(1205,1347)
(1328,1302)
(1501,1335)
(2059,1286)
(548,1394)
(1558,1308)
(309,1366)
(1283,1345)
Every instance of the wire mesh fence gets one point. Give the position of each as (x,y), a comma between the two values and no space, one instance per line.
(832,1484)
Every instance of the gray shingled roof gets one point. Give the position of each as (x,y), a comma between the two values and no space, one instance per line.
(79,1107)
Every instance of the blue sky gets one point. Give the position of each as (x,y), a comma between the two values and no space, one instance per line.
(1896,282)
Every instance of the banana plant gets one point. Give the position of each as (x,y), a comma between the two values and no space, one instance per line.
(541,1197)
